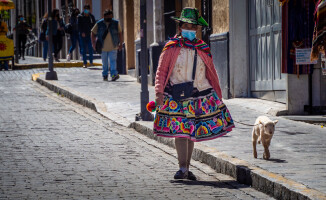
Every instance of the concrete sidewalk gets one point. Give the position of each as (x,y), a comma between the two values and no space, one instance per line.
(296,170)
(31,62)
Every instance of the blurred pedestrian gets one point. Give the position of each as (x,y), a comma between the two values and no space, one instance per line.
(109,35)
(85,22)
(188,92)
(73,31)
(58,33)
(22,30)
(44,26)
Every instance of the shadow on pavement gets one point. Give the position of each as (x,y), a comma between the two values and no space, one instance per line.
(214,184)
(94,68)
(275,160)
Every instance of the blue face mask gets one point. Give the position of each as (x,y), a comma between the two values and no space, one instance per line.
(86,11)
(190,35)
(22,19)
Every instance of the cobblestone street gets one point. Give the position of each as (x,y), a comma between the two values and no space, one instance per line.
(52,148)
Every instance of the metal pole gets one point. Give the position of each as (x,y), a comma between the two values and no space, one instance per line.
(51,75)
(144,95)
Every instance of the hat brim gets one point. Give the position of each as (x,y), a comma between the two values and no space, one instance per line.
(201,21)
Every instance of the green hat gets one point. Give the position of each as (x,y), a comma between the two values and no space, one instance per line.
(191,15)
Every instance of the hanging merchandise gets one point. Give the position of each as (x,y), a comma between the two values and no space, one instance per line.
(297,31)
(282,2)
(6,5)
(319,35)
(323,64)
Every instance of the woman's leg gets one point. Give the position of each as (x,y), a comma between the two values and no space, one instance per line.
(24,40)
(181,145)
(191,145)
(79,44)
(90,49)
(19,45)
(45,49)
(73,43)
(60,41)
(83,47)
(55,45)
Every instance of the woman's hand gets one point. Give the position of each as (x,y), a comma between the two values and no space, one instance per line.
(159,99)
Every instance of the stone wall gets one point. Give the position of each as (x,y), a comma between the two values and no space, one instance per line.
(137,18)
(220,18)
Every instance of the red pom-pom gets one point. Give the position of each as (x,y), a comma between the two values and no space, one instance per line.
(151,106)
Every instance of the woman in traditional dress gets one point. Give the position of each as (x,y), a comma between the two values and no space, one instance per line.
(200,115)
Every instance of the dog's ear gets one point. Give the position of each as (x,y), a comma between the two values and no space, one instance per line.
(275,122)
(260,122)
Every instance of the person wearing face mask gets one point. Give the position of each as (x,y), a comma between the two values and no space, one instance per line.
(57,34)
(86,22)
(108,33)
(188,93)
(22,31)
(74,36)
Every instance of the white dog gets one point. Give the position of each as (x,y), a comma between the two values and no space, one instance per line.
(263,131)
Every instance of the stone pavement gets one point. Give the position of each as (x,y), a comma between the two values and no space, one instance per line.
(297,168)
(52,148)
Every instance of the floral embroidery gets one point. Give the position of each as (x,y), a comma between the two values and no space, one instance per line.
(205,106)
(215,127)
(173,106)
(191,108)
(212,103)
(202,129)
(228,116)
(187,126)
(185,107)
(165,105)
(175,125)
(198,119)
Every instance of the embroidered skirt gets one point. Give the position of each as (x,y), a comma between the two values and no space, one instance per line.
(200,118)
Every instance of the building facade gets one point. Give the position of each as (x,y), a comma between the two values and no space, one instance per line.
(253,44)
(34,10)
(264,38)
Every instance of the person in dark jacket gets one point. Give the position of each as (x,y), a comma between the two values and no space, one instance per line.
(58,32)
(85,22)
(74,36)
(22,31)
(44,27)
